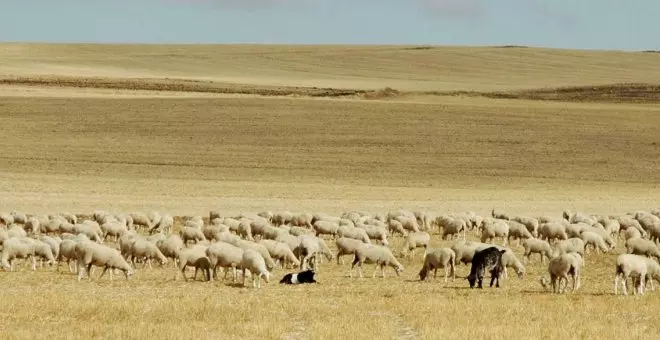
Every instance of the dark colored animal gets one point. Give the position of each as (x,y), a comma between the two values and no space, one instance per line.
(487,259)
(306,276)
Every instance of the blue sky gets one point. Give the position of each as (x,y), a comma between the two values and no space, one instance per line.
(588,24)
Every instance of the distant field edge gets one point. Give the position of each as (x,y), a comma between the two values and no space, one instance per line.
(610,93)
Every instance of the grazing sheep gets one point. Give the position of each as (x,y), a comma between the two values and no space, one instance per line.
(309,250)
(627,222)
(438,258)
(270,264)
(212,232)
(628,265)
(531,223)
(302,220)
(451,226)
(144,250)
(640,246)
(16,231)
(595,240)
(245,230)
(487,259)
(380,255)
(271,233)
(490,229)
(414,240)
(326,228)
(346,246)
(17,248)
(53,243)
(140,219)
(572,245)
(191,234)
(499,214)
(259,227)
(518,231)
(113,229)
(395,226)
(32,226)
(90,253)
(6,219)
(652,272)
(376,233)
(195,257)
(559,268)
(631,233)
(282,218)
(552,231)
(171,247)
(536,246)
(354,233)
(164,225)
(281,252)
(408,223)
(67,251)
(299,231)
(224,255)
(254,262)
(509,259)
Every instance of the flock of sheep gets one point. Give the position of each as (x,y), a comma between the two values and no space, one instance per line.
(255,244)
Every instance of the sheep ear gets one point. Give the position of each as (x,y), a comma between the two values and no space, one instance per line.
(502,251)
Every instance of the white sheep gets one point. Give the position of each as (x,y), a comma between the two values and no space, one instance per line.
(17,248)
(552,231)
(414,240)
(326,228)
(254,262)
(628,265)
(346,246)
(144,250)
(595,240)
(536,246)
(195,257)
(491,228)
(499,214)
(191,234)
(451,226)
(270,264)
(171,247)
(438,258)
(509,260)
(631,233)
(224,255)
(395,227)
(518,231)
(165,224)
(379,255)
(90,253)
(559,268)
(640,246)
(281,252)
(375,233)
(354,233)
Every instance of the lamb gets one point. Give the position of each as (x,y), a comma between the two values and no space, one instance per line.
(530,223)
(509,259)
(595,240)
(536,246)
(225,255)
(254,262)
(195,257)
(171,247)
(354,233)
(380,255)
(419,239)
(519,231)
(487,259)
(326,228)
(628,265)
(438,258)
(640,246)
(17,248)
(144,250)
(346,246)
(559,268)
(493,228)
(280,251)
(90,253)
(190,233)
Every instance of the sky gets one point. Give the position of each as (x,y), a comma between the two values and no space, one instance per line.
(583,24)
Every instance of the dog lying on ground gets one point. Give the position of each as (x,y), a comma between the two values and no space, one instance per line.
(306,276)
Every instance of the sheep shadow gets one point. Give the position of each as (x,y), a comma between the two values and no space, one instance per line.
(235,285)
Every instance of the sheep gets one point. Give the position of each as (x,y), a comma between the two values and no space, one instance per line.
(140,219)
(395,226)
(509,259)
(154,219)
(282,218)
(326,228)
(259,227)
(486,259)
(346,246)
(195,257)
(213,214)
(595,240)
(627,222)
(575,229)
(302,220)
(190,233)
(519,231)
(254,262)
(494,228)
(6,219)
(499,214)
(559,268)
(212,232)
(640,246)
(90,253)
(113,229)
(271,233)
(53,243)
(451,226)
(376,233)
(280,251)
(380,255)
(171,247)
(628,265)
(245,230)
(16,231)
(165,224)
(228,237)
(32,226)
(631,233)
(537,246)
(414,240)
(17,248)
(552,231)
(145,250)
(438,258)
(225,255)
(67,252)
(408,223)
(309,250)
(126,242)
(232,224)
(652,272)
(298,231)
(71,218)
(465,250)
(572,245)
(94,232)
(270,264)
(354,233)
(532,224)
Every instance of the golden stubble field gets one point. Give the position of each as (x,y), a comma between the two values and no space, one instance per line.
(77,150)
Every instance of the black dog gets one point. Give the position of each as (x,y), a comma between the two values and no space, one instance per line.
(489,259)
(306,276)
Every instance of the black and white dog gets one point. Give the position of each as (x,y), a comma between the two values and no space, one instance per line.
(306,276)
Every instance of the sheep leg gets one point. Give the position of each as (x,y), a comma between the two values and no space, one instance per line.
(103,272)
(244,270)
(34,263)
(616,283)
(89,271)
(382,270)
(446,273)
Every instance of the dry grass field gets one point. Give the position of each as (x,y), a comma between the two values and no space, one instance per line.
(186,129)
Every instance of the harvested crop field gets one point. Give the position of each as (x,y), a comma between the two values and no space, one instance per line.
(246,129)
